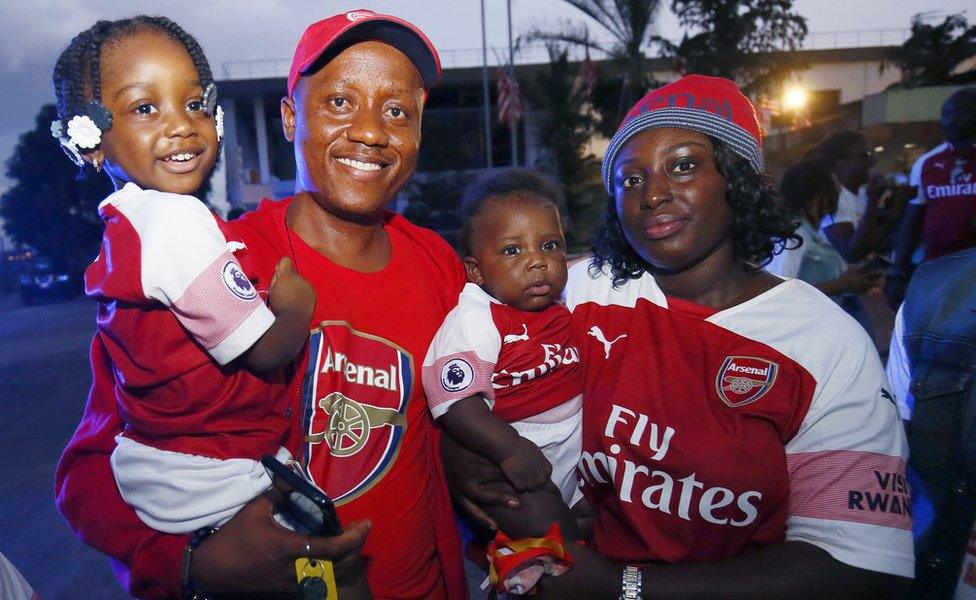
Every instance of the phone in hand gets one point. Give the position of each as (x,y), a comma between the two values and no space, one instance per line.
(875,264)
(309,506)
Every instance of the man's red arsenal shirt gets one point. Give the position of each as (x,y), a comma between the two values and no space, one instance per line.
(364,431)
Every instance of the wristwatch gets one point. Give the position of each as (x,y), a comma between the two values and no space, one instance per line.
(631,584)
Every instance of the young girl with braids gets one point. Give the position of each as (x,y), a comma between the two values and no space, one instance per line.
(197,356)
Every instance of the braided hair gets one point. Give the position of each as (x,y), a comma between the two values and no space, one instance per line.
(761,223)
(77,74)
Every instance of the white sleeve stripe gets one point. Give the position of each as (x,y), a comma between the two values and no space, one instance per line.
(846,544)
(246,335)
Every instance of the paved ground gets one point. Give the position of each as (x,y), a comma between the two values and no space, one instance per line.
(45,375)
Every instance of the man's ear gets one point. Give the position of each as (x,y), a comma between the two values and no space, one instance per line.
(288,117)
(473,270)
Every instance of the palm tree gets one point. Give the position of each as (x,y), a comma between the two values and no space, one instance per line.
(750,41)
(932,52)
(628,23)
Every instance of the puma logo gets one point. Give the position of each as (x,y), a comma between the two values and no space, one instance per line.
(512,338)
(595,332)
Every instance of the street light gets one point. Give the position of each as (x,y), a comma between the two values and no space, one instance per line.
(795,98)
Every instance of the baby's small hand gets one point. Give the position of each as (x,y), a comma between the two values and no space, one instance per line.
(527,468)
(289,291)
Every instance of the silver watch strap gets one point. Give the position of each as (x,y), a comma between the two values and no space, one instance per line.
(631,584)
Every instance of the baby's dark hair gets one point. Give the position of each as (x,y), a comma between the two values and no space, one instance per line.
(761,223)
(520,183)
(77,74)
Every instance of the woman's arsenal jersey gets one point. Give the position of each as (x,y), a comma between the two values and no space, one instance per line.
(708,433)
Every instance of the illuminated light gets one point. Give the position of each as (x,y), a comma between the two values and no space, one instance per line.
(878,149)
(795,98)
(909,145)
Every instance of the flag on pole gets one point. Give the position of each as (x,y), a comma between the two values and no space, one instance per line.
(586,78)
(510,105)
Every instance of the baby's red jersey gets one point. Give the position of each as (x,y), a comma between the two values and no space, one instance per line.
(362,427)
(523,363)
(946,180)
(174,306)
(707,434)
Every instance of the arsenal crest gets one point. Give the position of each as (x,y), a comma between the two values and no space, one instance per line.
(354,402)
(744,379)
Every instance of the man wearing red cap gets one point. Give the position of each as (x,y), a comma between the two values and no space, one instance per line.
(360,428)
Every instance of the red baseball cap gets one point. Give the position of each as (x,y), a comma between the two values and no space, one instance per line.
(360,26)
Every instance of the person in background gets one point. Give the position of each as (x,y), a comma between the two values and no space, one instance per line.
(864,217)
(809,192)
(867,210)
(932,369)
(942,216)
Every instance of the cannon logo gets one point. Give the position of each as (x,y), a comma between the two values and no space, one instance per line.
(744,379)
(354,402)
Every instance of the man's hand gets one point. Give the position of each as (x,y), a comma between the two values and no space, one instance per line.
(252,555)
(526,468)
(474,481)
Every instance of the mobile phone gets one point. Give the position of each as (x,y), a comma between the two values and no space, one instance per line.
(875,263)
(308,505)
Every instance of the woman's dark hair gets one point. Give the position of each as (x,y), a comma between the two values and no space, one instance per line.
(834,147)
(520,183)
(802,183)
(761,224)
(77,74)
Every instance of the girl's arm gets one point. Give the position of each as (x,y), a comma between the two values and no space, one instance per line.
(292,301)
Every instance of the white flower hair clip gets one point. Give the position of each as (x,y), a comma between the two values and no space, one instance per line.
(83,133)
(57,132)
(219,123)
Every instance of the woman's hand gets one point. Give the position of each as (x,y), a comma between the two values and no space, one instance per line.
(857,281)
(252,555)
(474,482)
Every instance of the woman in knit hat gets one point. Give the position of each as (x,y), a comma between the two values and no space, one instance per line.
(738,439)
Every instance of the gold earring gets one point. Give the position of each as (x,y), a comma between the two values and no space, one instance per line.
(97,163)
